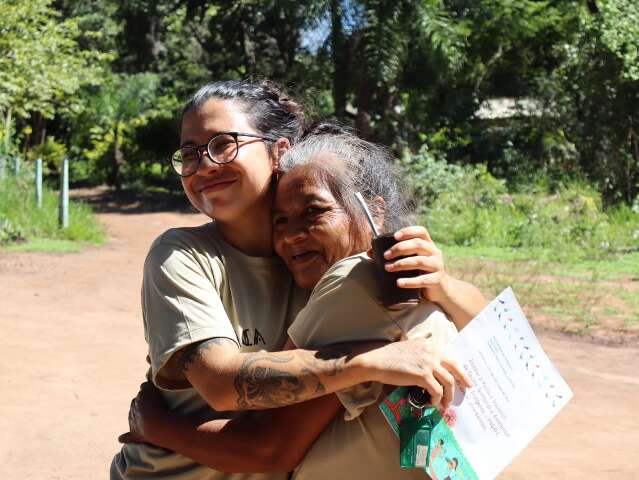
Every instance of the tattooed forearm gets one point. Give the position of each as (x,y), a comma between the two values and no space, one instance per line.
(268,381)
(259,384)
(196,351)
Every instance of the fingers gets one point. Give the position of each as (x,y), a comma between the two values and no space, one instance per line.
(426,263)
(421,281)
(415,231)
(457,372)
(413,246)
(447,381)
(434,388)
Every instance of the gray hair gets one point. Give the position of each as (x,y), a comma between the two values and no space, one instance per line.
(347,164)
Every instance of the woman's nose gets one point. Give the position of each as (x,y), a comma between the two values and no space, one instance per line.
(206,164)
(295,232)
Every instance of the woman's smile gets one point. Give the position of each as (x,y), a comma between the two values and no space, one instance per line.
(215,185)
(310,228)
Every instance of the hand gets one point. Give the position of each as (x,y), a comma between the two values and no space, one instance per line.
(415,243)
(418,362)
(146,409)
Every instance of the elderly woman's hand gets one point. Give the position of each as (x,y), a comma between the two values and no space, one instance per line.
(415,243)
(146,410)
(418,362)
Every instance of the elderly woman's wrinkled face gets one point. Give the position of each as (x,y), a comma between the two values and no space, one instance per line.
(310,228)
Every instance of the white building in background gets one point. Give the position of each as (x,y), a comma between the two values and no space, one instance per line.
(506,107)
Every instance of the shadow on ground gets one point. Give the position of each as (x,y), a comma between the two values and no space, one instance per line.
(107,200)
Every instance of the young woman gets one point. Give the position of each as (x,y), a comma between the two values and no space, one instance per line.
(217,303)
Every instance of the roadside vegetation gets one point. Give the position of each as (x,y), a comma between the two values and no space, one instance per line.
(573,262)
(27,227)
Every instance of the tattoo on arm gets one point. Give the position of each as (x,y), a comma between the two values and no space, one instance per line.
(260,384)
(264,381)
(195,351)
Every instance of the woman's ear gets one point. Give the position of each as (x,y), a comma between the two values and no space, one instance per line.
(280,147)
(378,210)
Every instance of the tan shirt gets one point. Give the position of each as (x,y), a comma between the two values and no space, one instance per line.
(196,286)
(345,306)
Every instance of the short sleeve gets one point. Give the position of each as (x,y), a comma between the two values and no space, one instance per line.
(426,320)
(181,305)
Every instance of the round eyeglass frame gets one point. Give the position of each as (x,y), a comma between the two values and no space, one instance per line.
(207,146)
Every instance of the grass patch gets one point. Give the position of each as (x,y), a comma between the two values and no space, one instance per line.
(46,245)
(614,266)
(21,219)
(597,297)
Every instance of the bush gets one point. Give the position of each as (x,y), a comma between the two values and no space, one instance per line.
(468,206)
(51,152)
(21,219)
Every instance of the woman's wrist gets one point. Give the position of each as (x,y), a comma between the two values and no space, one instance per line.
(440,293)
(365,367)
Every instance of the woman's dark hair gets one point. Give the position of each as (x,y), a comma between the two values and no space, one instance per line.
(269,109)
(324,127)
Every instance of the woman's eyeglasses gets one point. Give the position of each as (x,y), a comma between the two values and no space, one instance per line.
(222,148)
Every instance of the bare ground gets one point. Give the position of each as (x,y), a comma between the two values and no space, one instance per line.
(74,355)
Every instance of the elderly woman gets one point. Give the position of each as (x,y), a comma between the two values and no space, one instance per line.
(320,233)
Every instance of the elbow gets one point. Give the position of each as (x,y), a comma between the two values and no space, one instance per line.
(219,394)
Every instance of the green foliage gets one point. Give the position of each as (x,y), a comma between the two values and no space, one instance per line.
(41,65)
(51,152)
(122,105)
(21,219)
(619,28)
(468,206)
(111,77)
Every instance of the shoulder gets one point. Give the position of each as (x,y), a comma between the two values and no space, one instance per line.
(356,272)
(188,237)
(185,250)
(344,307)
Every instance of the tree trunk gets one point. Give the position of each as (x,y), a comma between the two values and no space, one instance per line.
(118,159)
(364,99)
(339,55)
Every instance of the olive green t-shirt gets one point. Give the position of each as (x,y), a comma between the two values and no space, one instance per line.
(196,286)
(345,306)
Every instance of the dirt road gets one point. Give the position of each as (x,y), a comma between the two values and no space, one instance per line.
(73,356)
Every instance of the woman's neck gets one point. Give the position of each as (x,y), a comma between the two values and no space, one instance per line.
(251,234)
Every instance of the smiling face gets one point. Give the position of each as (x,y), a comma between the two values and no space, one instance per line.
(227,192)
(310,227)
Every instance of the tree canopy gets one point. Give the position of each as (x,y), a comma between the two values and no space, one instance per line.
(106,78)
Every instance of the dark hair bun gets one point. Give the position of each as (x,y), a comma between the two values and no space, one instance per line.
(328,128)
(280,97)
